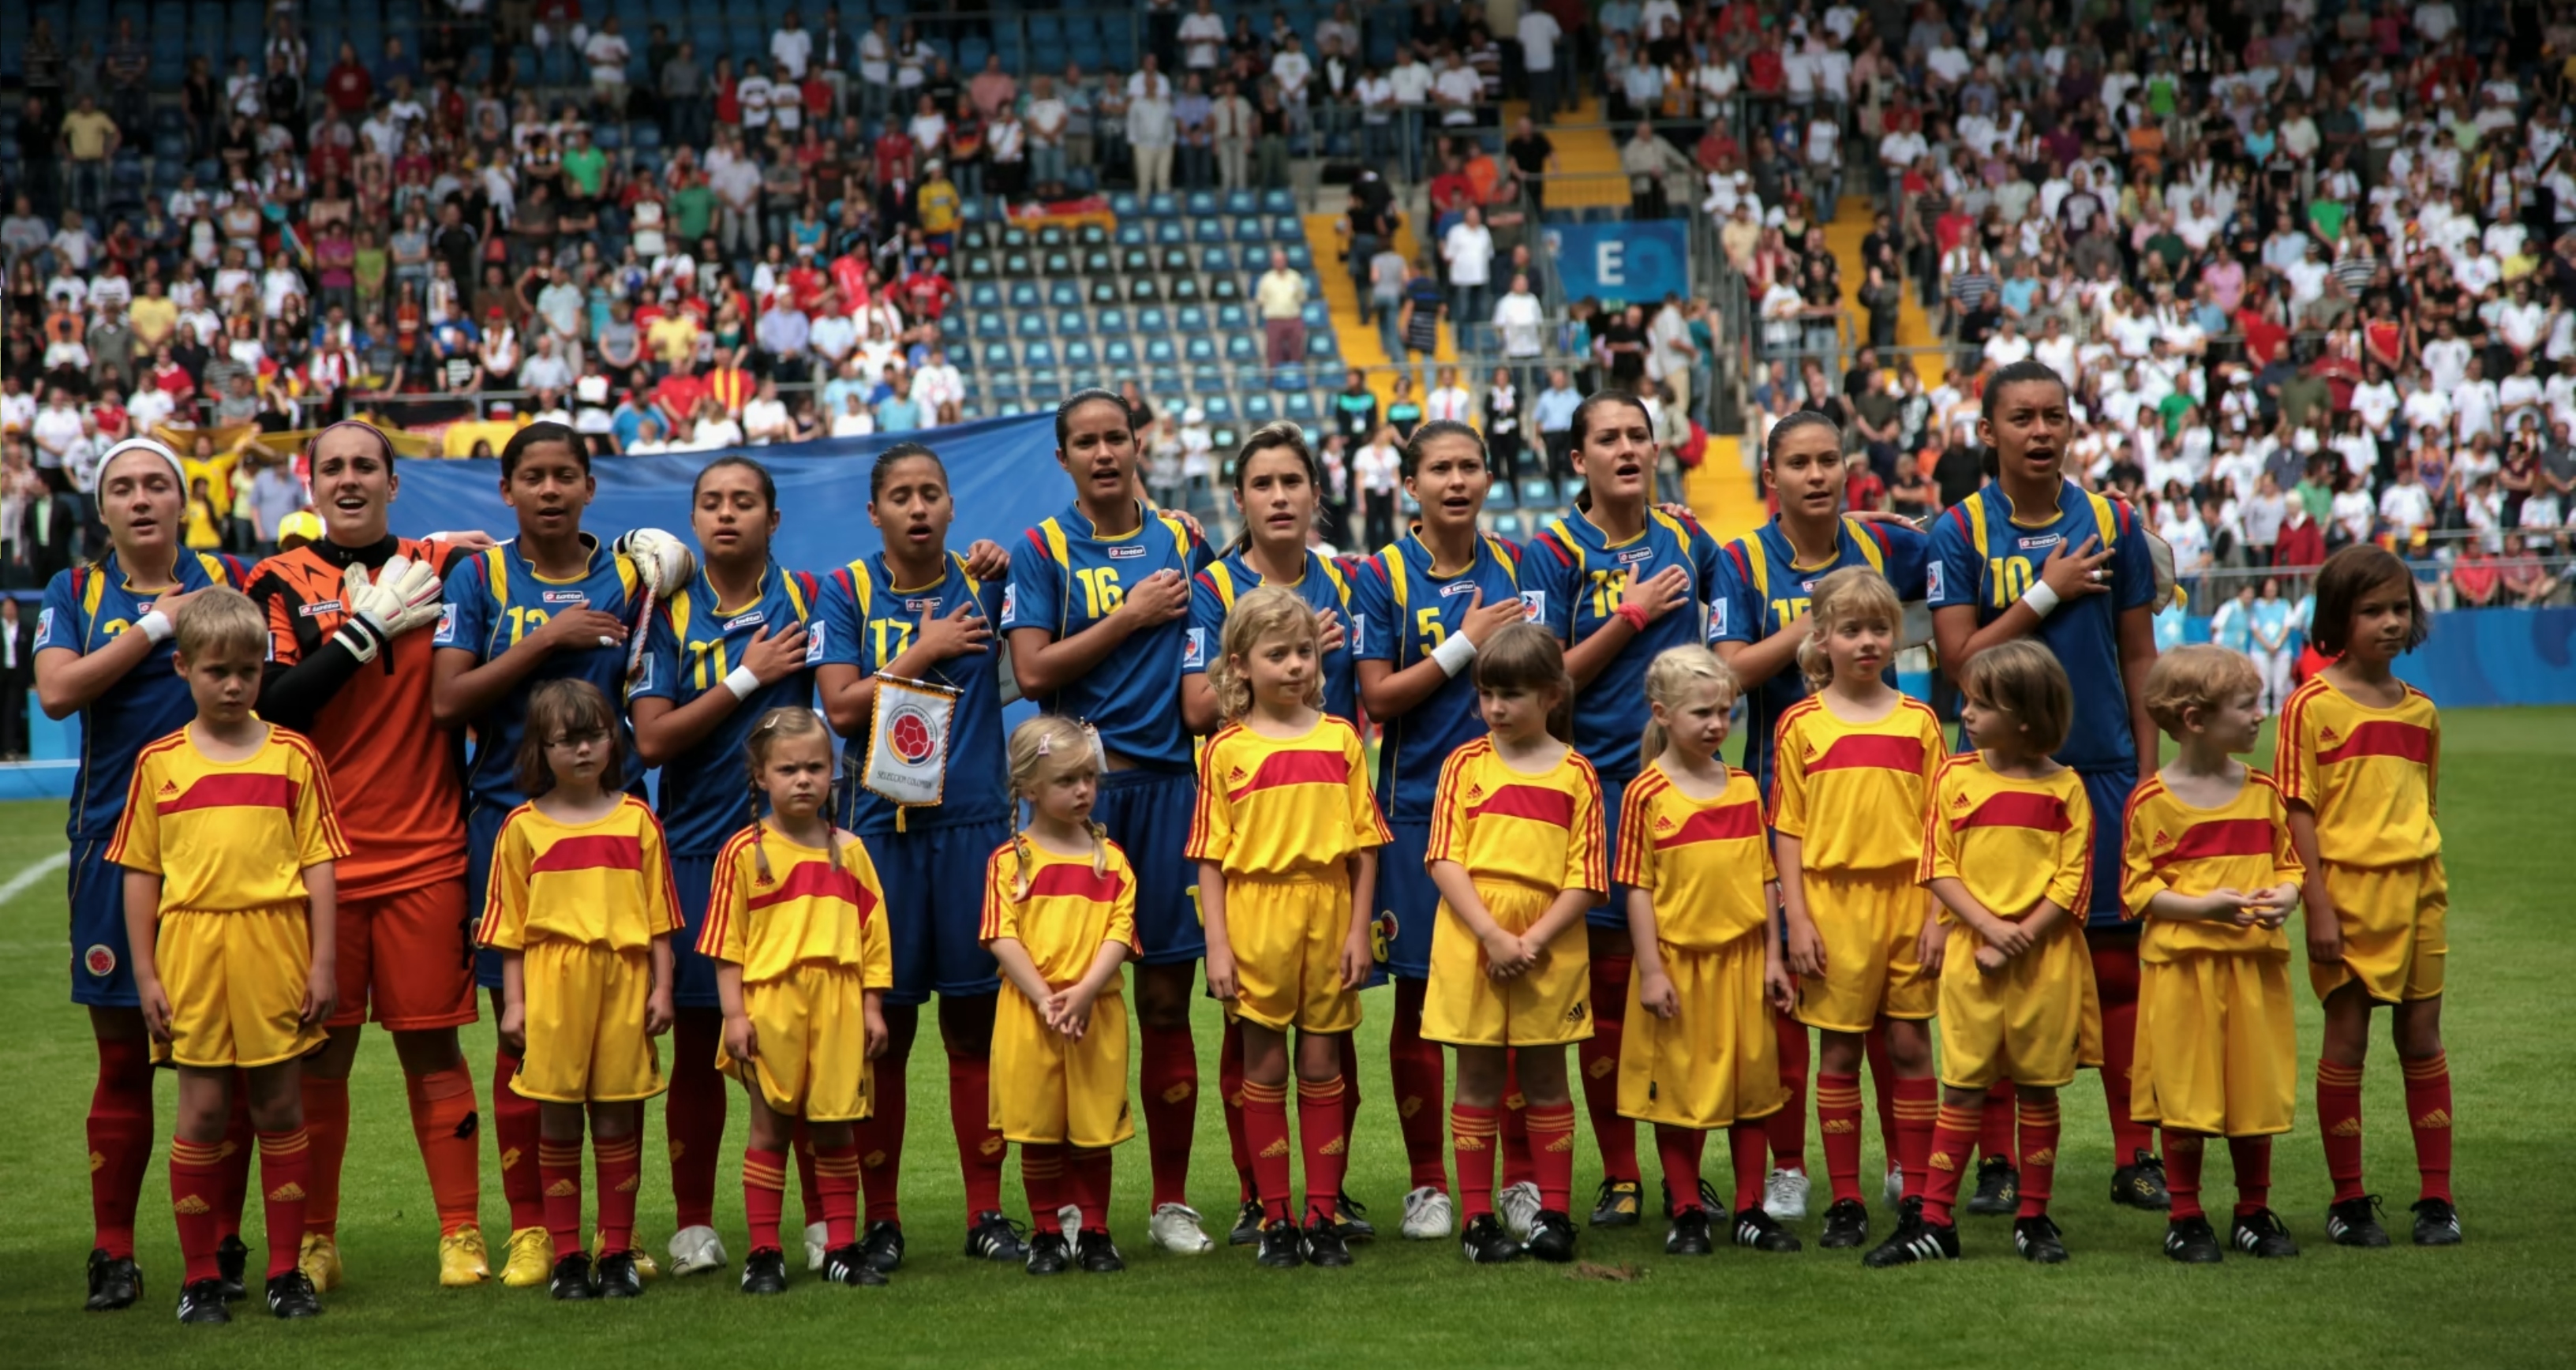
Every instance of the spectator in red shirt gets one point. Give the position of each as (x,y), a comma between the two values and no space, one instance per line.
(348,86)
(678,395)
(926,293)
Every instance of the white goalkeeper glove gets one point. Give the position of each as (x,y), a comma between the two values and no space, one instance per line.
(401,596)
(666,562)
(2161,553)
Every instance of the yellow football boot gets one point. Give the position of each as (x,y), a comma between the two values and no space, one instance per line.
(530,1259)
(461,1261)
(644,1264)
(319,1259)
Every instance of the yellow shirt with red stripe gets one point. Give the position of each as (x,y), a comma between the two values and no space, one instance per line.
(2243,844)
(1853,792)
(1706,862)
(2367,773)
(1285,806)
(2011,842)
(1071,911)
(803,911)
(228,836)
(1541,830)
(604,883)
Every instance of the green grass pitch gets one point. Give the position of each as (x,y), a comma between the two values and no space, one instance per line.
(2508,790)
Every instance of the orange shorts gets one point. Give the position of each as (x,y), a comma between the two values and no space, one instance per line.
(405,961)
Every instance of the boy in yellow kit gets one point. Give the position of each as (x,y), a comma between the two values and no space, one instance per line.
(227,843)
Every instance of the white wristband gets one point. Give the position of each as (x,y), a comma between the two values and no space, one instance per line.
(2041,599)
(1454,653)
(156,625)
(742,682)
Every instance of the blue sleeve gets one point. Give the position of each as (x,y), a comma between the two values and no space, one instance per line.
(1909,553)
(1735,607)
(58,623)
(2133,568)
(1036,595)
(1202,556)
(660,678)
(1207,627)
(1547,586)
(837,630)
(467,620)
(1705,556)
(1374,631)
(1951,576)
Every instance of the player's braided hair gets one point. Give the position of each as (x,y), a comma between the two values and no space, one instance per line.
(787,720)
(1043,749)
(1267,610)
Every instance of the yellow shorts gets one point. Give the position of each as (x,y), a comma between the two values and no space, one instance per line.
(1287,937)
(1047,1089)
(2217,1044)
(1715,1061)
(585,1023)
(810,1029)
(2394,930)
(1548,1004)
(1869,922)
(2032,1023)
(236,983)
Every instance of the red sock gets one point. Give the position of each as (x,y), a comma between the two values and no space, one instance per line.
(1323,1142)
(1995,1134)
(2428,1112)
(1421,1082)
(326,1127)
(1954,1134)
(1917,1104)
(836,1184)
(764,1196)
(514,1133)
(1515,1125)
(880,1141)
(1473,1133)
(1551,1140)
(2039,1127)
(240,1139)
(1679,1149)
(1748,1144)
(120,1142)
(1787,1128)
(980,1148)
(1042,1175)
(2253,1160)
(1169,1076)
(1598,1056)
(693,1121)
(1229,1088)
(1089,1167)
(809,1186)
(2183,1151)
(1838,1120)
(196,1181)
(1265,1135)
(559,1165)
(443,1122)
(285,1159)
(2115,976)
(620,1164)
(2339,1122)
(1883,1094)
(1350,1054)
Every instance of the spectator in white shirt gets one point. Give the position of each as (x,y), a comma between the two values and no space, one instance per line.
(1539,34)
(791,45)
(1468,248)
(607,54)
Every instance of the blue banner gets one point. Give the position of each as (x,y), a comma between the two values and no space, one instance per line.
(1002,473)
(2477,658)
(1621,262)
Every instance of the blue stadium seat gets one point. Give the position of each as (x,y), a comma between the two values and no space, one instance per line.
(1207,377)
(1119,353)
(1162,205)
(1131,234)
(1199,204)
(1038,353)
(1170,232)
(1215,261)
(1031,325)
(1219,407)
(984,295)
(1199,347)
(1289,378)
(1151,320)
(1508,527)
(1258,408)
(1573,489)
(1300,258)
(1300,406)
(1172,261)
(990,324)
(1159,353)
(1110,320)
(1278,202)
(1224,288)
(1079,354)
(1537,493)
(1143,290)
(1248,230)
(1321,351)
(1499,495)
(952,328)
(1207,230)
(1167,382)
(1240,351)
(1124,205)
(1189,318)
(997,357)
(1024,295)
(1318,315)
(1242,202)
(1232,315)
(1185,289)
(1287,229)
(1071,323)
(1064,295)
(1104,291)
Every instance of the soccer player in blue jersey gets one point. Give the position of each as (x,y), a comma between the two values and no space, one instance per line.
(729,647)
(1097,615)
(103,645)
(554,603)
(915,611)
(1421,608)
(1619,581)
(1755,623)
(1276,486)
(2033,555)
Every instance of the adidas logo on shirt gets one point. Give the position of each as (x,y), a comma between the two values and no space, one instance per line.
(169,789)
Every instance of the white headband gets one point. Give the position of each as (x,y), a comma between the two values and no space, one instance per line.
(156,448)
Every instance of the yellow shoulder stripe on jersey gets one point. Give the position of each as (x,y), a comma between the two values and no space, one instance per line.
(630,577)
(795,594)
(214,568)
(1223,580)
(1395,577)
(92,595)
(974,588)
(1868,544)
(679,610)
(1180,536)
(1508,555)
(1341,583)
(496,575)
(862,585)
(2104,520)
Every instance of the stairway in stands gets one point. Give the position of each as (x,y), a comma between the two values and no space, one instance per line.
(1850,225)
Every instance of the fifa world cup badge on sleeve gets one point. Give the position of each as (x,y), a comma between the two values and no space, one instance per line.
(1534,604)
(908,741)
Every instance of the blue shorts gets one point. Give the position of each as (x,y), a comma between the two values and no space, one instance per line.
(1148,815)
(1613,914)
(693,975)
(1408,900)
(934,888)
(482,833)
(2108,791)
(102,972)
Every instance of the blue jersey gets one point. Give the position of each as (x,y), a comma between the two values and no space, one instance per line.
(1983,555)
(1399,612)
(692,645)
(86,607)
(494,598)
(1065,578)
(1326,585)
(1573,578)
(864,619)
(1762,588)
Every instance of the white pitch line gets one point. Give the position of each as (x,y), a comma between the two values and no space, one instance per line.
(26,879)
